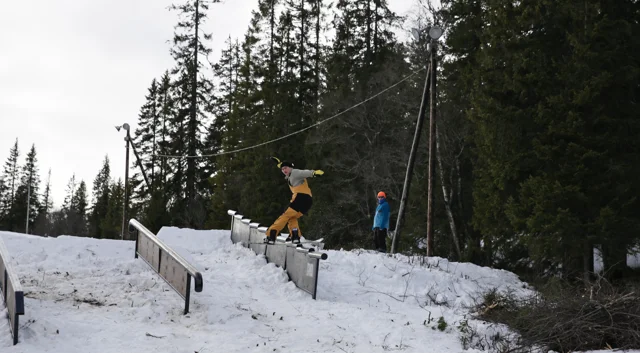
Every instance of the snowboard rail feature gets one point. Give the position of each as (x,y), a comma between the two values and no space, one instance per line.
(169,265)
(300,263)
(12,293)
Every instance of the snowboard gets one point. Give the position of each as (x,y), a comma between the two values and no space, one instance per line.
(307,244)
(283,239)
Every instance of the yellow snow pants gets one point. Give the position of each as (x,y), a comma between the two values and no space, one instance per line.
(288,218)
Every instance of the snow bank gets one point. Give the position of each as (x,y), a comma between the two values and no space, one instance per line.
(87,294)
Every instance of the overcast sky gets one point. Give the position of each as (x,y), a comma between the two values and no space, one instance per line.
(71,70)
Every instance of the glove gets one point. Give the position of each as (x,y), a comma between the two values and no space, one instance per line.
(277,161)
(318,172)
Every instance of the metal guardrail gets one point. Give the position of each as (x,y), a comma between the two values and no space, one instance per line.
(169,265)
(256,236)
(11,290)
(301,264)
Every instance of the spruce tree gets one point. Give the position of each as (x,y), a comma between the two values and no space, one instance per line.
(227,72)
(112,223)
(101,194)
(223,135)
(548,132)
(79,205)
(146,140)
(43,224)
(267,106)
(193,99)
(11,176)
(154,212)
(26,200)
(365,58)
(176,185)
(463,21)
(165,104)
(74,208)
(570,204)
(3,190)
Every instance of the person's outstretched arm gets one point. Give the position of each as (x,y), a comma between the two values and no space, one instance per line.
(301,173)
(305,173)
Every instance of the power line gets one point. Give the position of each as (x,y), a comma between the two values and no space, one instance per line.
(299,131)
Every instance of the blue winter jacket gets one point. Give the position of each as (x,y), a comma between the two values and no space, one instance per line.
(381,220)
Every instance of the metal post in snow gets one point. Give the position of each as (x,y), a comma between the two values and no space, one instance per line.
(125,204)
(26,227)
(127,139)
(434,33)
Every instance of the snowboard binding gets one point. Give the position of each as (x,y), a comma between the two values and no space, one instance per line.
(271,238)
(294,237)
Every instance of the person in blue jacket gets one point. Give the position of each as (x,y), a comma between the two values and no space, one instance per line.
(381,223)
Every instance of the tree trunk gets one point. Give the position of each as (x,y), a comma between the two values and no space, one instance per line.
(614,258)
(587,262)
(193,124)
(447,203)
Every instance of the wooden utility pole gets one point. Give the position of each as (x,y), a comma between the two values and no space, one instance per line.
(412,159)
(125,204)
(432,147)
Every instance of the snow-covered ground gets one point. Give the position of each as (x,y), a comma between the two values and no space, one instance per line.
(633,260)
(89,295)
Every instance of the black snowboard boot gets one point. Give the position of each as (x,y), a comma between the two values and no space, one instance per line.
(295,238)
(271,239)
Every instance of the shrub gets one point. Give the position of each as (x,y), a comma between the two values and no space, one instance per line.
(565,318)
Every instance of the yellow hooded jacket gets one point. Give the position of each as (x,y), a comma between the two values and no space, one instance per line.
(301,198)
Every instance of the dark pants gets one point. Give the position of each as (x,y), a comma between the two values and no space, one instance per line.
(380,239)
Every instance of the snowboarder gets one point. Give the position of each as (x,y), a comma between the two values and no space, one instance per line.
(381,223)
(300,201)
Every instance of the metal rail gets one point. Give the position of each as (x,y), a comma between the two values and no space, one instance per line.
(11,289)
(301,264)
(172,267)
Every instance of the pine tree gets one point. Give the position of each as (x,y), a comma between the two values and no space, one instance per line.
(145,140)
(224,104)
(266,106)
(463,21)
(74,208)
(223,135)
(297,26)
(264,98)
(546,130)
(176,184)
(79,204)
(193,99)
(317,55)
(112,223)
(66,221)
(236,103)
(311,28)
(11,175)
(58,223)
(43,224)
(27,203)
(3,190)
(101,193)
(567,210)
(154,210)
(364,58)
(71,190)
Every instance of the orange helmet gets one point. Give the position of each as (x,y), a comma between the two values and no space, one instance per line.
(382,194)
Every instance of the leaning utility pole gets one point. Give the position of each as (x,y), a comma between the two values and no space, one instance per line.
(432,147)
(412,158)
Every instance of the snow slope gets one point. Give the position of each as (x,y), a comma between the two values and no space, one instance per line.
(91,295)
